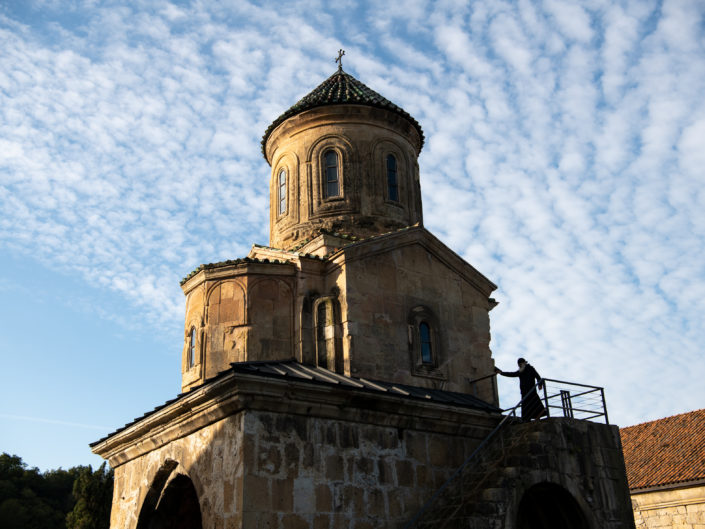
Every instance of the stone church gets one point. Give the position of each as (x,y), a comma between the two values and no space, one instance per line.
(325,377)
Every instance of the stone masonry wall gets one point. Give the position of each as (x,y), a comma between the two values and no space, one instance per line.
(308,472)
(211,457)
(580,458)
(382,291)
(678,509)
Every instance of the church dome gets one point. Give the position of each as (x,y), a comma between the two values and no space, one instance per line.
(341,88)
(344,159)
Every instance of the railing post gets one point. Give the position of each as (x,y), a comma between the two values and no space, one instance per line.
(566,404)
(604,405)
(545,399)
(495,393)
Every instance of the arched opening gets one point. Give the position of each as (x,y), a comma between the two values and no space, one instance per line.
(328,334)
(176,508)
(549,506)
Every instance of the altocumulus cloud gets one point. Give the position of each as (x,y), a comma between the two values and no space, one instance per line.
(564,159)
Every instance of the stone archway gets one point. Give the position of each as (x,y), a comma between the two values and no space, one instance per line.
(176,508)
(549,506)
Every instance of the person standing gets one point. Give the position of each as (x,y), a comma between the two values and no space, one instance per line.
(531,405)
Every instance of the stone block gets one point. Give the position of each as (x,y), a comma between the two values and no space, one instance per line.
(405,473)
(376,504)
(269,460)
(283,491)
(294,521)
(257,494)
(439,452)
(304,495)
(385,472)
(234,521)
(339,521)
(228,496)
(296,424)
(308,457)
(324,498)
(349,436)
(354,500)
(291,458)
(394,503)
(415,444)
(334,465)
(321,521)
(422,476)
(364,466)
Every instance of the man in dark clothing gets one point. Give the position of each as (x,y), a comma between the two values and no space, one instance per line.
(531,406)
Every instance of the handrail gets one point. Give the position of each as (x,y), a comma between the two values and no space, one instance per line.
(473,385)
(481,378)
(566,406)
(433,498)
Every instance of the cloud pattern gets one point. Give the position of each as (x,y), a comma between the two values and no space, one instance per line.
(565,157)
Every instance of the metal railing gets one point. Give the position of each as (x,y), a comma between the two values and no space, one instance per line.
(510,413)
(573,400)
(564,399)
(561,399)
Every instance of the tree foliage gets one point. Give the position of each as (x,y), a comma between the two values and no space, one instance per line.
(30,499)
(93,492)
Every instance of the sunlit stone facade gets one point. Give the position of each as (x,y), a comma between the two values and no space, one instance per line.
(325,376)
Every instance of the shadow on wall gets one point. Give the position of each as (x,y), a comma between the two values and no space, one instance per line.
(171,503)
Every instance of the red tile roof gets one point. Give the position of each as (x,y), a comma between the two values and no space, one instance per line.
(666,451)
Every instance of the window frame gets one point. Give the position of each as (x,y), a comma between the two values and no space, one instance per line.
(191,350)
(282,192)
(426,343)
(324,176)
(421,317)
(392,178)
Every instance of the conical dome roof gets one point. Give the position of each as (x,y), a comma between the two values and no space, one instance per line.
(341,88)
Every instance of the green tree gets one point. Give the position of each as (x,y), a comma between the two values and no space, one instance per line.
(93,492)
(79,498)
(30,499)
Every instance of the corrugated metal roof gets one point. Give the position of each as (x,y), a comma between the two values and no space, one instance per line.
(293,370)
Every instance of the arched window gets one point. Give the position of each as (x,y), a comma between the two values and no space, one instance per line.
(191,356)
(425,341)
(321,323)
(332,179)
(328,334)
(392,184)
(282,192)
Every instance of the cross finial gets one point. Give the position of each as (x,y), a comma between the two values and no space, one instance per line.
(339,60)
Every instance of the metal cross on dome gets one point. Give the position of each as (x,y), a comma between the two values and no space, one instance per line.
(339,60)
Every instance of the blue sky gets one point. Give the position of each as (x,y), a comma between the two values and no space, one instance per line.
(564,159)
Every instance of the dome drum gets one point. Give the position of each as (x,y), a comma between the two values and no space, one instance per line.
(346,168)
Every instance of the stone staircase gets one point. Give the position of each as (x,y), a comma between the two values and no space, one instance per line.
(478,497)
(556,472)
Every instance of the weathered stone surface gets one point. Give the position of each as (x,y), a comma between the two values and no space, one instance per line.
(489,491)
(362,138)
(682,507)
(282,453)
(248,467)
